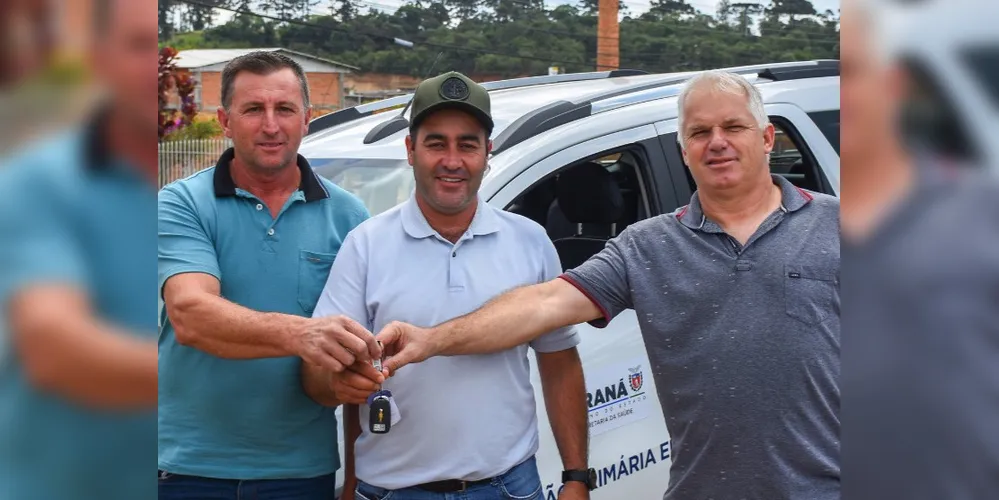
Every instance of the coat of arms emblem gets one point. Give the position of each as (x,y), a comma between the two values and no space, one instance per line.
(635,378)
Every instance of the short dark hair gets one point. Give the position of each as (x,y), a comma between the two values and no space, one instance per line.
(262,62)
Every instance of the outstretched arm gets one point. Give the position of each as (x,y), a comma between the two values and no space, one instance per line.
(514,318)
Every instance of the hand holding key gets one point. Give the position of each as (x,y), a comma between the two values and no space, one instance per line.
(404,344)
(356,383)
(334,343)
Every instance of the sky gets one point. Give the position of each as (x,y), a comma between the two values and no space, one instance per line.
(636,7)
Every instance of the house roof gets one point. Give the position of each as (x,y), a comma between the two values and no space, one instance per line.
(201,58)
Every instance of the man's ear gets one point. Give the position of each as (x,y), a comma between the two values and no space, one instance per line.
(768,138)
(308,118)
(409,149)
(224,121)
(489,147)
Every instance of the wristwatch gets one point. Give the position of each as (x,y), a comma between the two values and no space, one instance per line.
(587,477)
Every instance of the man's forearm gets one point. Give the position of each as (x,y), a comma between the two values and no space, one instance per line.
(521,315)
(88,362)
(565,401)
(316,384)
(227,330)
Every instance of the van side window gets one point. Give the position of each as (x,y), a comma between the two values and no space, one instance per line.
(588,202)
(791,158)
(828,123)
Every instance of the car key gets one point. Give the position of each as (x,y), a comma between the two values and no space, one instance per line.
(380,405)
(380,414)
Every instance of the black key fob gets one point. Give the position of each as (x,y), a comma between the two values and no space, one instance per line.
(380,415)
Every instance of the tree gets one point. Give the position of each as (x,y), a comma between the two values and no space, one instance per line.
(670,8)
(724,12)
(343,10)
(790,8)
(592,7)
(292,9)
(513,10)
(745,20)
(463,10)
(197,17)
(166,26)
(529,39)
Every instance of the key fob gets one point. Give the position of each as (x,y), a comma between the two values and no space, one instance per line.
(380,415)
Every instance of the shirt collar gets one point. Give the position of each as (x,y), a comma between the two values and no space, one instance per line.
(310,185)
(793,199)
(416,225)
(96,152)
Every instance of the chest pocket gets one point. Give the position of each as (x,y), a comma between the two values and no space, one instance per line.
(810,293)
(313,271)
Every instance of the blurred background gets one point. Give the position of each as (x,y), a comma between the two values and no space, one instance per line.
(920,249)
(920,154)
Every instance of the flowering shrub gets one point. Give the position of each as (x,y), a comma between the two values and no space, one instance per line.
(170,78)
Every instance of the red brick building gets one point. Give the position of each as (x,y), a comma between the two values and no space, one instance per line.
(326,77)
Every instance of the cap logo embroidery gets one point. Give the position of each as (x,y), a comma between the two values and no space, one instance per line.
(454,89)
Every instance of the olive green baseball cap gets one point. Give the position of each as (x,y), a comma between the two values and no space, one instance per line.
(451,90)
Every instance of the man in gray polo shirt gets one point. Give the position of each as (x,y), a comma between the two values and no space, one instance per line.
(738,298)
(464,424)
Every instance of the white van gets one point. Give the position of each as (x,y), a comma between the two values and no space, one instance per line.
(546,130)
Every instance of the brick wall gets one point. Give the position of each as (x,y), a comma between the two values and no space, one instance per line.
(211,90)
(324,90)
(373,82)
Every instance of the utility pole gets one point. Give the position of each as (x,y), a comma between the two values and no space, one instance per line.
(608,47)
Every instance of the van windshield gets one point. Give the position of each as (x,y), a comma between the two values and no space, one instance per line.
(380,183)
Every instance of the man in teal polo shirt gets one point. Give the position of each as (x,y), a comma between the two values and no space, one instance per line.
(77,320)
(245,248)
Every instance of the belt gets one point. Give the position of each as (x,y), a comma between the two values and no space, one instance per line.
(451,485)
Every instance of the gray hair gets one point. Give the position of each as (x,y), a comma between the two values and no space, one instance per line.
(725,82)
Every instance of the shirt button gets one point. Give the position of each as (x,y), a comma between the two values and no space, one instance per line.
(270,232)
(454,254)
(259,206)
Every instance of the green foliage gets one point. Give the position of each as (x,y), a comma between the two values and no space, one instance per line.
(204,128)
(507,38)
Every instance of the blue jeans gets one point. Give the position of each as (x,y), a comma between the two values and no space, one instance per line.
(180,487)
(520,483)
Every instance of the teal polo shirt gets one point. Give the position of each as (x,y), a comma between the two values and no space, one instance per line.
(247,419)
(70,213)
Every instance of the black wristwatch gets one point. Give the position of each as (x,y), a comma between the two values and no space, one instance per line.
(587,477)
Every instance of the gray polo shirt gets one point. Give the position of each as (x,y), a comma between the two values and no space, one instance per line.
(463,417)
(921,344)
(743,340)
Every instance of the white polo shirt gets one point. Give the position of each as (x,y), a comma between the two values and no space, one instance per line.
(463,417)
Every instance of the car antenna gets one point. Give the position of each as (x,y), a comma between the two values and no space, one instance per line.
(426,75)
(385,129)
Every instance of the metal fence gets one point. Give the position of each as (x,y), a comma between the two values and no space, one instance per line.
(179,159)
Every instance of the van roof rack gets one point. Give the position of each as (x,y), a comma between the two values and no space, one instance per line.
(822,68)
(357,112)
(562,112)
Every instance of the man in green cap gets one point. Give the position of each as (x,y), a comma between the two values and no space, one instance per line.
(462,423)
